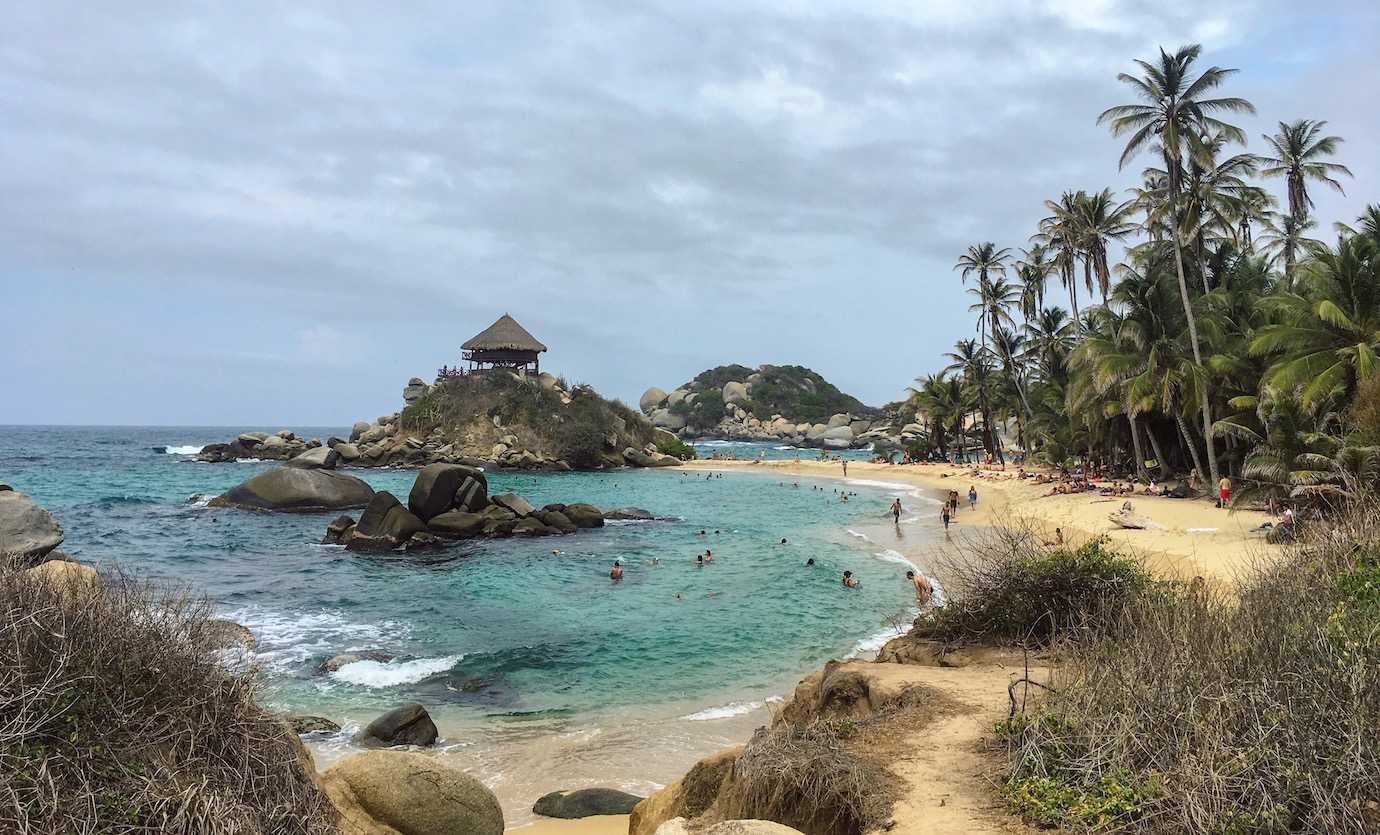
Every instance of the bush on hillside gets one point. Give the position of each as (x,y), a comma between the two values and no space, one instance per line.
(1006,588)
(115,716)
(668,444)
(1201,712)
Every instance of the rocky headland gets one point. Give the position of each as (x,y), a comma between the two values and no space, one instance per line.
(493,419)
(788,404)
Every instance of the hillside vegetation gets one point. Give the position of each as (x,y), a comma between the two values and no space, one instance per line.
(793,391)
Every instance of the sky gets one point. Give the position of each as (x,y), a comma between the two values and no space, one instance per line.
(275,214)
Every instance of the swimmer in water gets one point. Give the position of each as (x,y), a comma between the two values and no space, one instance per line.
(848,581)
(783,540)
(810,563)
(616,573)
(708,555)
(699,560)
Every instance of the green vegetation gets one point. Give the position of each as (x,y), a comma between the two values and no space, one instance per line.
(792,391)
(1195,711)
(119,717)
(1226,341)
(669,444)
(1007,589)
(578,432)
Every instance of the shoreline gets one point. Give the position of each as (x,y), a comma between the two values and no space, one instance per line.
(1194,537)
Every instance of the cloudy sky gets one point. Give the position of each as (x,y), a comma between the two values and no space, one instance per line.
(277,213)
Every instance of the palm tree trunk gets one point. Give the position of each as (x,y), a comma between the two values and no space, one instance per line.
(1192,447)
(1206,406)
(1139,451)
(1073,300)
(1159,453)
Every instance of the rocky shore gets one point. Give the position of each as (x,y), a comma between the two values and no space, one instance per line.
(428,430)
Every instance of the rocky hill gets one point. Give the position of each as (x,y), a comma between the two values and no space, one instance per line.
(493,419)
(789,403)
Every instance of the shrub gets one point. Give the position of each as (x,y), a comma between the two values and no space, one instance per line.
(668,444)
(1257,712)
(805,776)
(1005,587)
(115,716)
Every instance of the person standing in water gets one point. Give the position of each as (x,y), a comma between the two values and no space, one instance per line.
(896,510)
(848,581)
(944,514)
(616,573)
(923,590)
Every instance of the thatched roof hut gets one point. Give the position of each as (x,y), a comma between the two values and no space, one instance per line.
(504,344)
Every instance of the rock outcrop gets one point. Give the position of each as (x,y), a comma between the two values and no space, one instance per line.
(404,793)
(27,530)
(297,490)
(409,724)
(584,803)
(688,797)
(384,525)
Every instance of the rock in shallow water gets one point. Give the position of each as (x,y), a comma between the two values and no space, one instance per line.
(584,803)
(406,725)
(297,490)
(410,793)
(310,724)
(434,490)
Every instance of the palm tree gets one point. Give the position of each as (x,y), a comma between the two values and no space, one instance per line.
(1176,114)
(975,365)
(983,259)
(1101,219)
(1050,338)
(942,399)
(1286,236)
(1298,158)
(1060,232)
(1328,338)
(994,297)
(1033,269)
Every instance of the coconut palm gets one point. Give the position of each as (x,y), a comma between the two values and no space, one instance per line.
(984,259)
(975,365)
(1177,114)
(1299,150)
(1328,338)
(1285,236)
(1101,219)
(1050,339)
(1032,270)
(1059,232)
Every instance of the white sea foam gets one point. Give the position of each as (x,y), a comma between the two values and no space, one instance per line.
(872,643)
(394,673)
(888,555)
(729,711)
(896,486)
(864,537)
(287,639)
(200,499)
(182,450)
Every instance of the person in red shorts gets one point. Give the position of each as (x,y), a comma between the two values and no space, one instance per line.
(1224,490)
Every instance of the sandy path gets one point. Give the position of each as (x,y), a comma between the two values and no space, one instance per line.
(946,765)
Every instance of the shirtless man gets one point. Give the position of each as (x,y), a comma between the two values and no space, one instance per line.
(923,590)
(616,573)
(848,581)
(896,510)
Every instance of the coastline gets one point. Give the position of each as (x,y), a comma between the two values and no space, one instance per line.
(1195,538)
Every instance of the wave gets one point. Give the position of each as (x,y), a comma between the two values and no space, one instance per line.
(200,499)
(289,639)
(907,489)
(888,555)
(728,711)
(112,501)
(393,673)
(179,450)
(864,537)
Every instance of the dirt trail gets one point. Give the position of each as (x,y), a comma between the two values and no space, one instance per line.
(945,767)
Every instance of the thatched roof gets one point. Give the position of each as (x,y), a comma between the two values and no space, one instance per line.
(504,335)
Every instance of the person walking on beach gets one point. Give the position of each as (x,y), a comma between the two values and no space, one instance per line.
(896,510)
(616,573)
(845,468)
(923,590)
(972,496)
(944,514)
(1224,491)
(848,581)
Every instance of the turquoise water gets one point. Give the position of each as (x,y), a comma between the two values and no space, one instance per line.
(489,630)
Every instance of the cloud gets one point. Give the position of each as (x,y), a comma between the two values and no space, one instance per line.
(654,190)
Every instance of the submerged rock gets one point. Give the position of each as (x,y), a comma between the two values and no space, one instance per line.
(335,662)
(515,503)
(26,529)
(297,490)
(339,531)
(584,803)
(635,514)
(310,724)
(406,725)
(410,794)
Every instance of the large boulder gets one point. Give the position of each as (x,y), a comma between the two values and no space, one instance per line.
(666,419)
(74,579)
(676,396)
(317,458)
(373,435)
(226,634)
(558,520)
(358,430)
(584,515)
(339,531)
(26,529)
(688,797)
(837,436)
(384,524)
(472,494)
(348,452)
(457,524)
(584,803)
(434,491)
(406,793)
(302,724)
(512,501)
(735,392)
(532,526)
(335,662)
(629,514)
(415,390)
(406,725)
(650,399)
(298,490)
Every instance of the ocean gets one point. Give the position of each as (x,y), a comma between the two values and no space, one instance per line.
(540,672)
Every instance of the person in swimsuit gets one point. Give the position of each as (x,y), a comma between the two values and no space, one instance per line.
(923,590)
(616,573)
(848,581)
(699,560)
(708,555)
(944,514)
(896,511)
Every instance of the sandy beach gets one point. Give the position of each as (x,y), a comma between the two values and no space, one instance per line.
(1194,537)
(597,825)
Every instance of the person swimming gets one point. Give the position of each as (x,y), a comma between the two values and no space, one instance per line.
(848,581)
(708,555)
(699,560)
(783,540)
(810,563)
(616,573)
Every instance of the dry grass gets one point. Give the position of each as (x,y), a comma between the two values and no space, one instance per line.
(1201,712)
(115,716)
